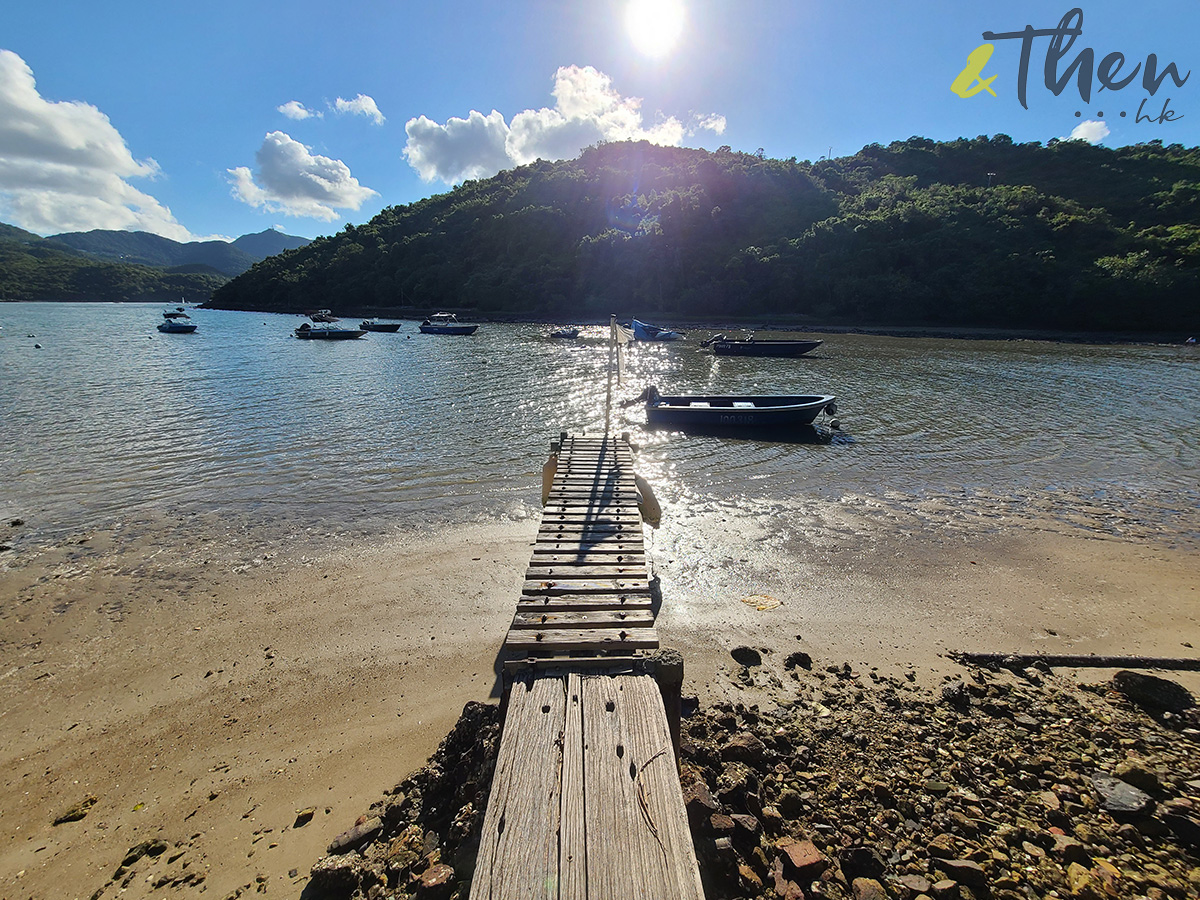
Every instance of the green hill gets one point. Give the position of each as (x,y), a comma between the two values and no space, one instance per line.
(40,271)
(125,265)
(1066,236)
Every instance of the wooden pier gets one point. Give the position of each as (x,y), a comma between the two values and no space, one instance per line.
(585,799)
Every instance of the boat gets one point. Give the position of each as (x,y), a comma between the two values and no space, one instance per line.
(569,333)
(171,324)
(723,346)
(327,331)
(375,325)
(322,315)
(445,323)
(644,332)
(735,411)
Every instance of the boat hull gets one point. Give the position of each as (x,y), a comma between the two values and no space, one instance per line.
(448,329)
(644,332)
(330,334)
(732,412)
(764,348)
(388,327)
(175,328)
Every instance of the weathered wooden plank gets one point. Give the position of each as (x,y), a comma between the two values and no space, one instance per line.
(599,496)
(572,570)
(612,509)
(600,543)
(518,854)
(587,557)
(572,833)
(608,640)
(584,602)
(658,785)
(587,514)
(626,865)
(596,525)
(585,586)
(608,618)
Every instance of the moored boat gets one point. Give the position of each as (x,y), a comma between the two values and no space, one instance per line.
(376,325)
(445,323)
(644,332)
(735,411)
(751,346)
(327,331)
(171,324)
(568,333)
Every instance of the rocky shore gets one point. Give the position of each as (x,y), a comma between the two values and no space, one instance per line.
(840,783)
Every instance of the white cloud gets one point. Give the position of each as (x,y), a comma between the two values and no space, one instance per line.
(295,182)
(1089,130)
(296,110)
(362,105)
(462,148)
(64,166)
(587,110)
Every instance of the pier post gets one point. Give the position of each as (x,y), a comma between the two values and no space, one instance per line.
(668,672)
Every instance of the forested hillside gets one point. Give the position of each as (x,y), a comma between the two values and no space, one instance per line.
(1067,235)
(37,271)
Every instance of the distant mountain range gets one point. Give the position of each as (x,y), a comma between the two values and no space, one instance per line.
(144,249)
(126,265)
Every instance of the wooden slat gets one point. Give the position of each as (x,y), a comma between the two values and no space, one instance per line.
(600,543)
(583,516)
(572,831)
(569,570)
(585,602)
(518,850)
(585,586)
(583,639)
(587,558)
(618,618)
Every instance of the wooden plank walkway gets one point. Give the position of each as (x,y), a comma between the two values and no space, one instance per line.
(585,801)
(587,589)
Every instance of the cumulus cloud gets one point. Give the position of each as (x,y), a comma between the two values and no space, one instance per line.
(296,110)
(294,181)
(587,110)
(362,105)
(1089,130)
(64,166)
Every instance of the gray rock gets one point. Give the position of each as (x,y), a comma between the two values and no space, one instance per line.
(1119,798)
(1153,693)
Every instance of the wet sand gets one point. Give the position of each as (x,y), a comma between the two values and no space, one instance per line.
(205,703)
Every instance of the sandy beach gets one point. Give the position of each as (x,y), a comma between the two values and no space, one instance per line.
(203,699)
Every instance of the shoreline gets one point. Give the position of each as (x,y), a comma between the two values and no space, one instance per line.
(205,705)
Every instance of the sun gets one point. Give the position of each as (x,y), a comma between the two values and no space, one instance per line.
(654,26)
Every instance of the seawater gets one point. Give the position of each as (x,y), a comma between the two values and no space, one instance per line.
(242,426)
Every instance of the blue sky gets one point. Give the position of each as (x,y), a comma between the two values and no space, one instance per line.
(225,118)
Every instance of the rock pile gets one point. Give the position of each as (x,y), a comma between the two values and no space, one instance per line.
(1003,785)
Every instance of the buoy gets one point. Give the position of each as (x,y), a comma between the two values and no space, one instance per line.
(548,472)
(647,502)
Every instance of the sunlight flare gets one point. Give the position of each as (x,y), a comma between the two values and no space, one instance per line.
(654,26)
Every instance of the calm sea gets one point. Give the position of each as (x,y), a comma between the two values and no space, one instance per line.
(242,427)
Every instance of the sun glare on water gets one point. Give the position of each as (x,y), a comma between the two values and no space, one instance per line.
(654,25)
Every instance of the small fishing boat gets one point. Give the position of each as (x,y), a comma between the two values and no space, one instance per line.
(644,332)
(322,315)
(723,346)
(327,331)
(568,333)
(171,324)
(445,323)
(734,411)
(376,325)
